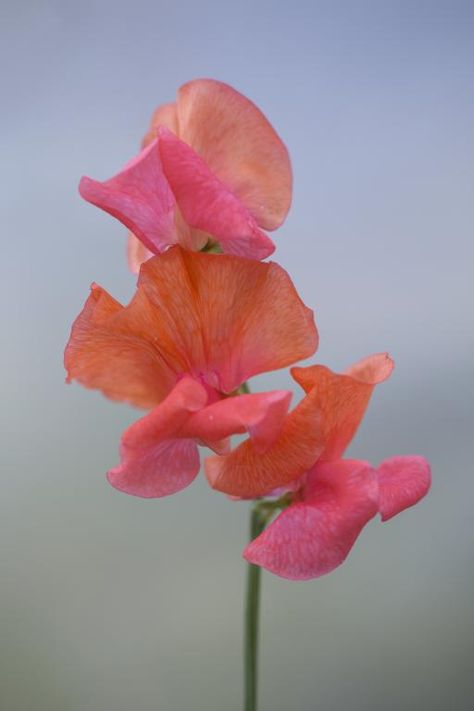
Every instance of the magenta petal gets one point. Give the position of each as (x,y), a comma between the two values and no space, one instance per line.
(140,197)
(155,459)
(260,414)
(403,481)
(312,537)
(207,204)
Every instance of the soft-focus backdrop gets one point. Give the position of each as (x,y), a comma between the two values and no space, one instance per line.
(111,603)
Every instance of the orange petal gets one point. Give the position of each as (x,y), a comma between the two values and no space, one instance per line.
(190,314)
(220,331)
(343,397)
(240,146)
(107,352)
(248,473)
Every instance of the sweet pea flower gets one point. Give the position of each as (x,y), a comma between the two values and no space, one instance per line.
(198,326)
(332,500)
(211,167)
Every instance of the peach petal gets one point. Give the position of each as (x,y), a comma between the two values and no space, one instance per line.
(343,397)
(247,473)
(313,537)
(190,315)
(137,253)
(140,197)
(225,333)
(164,115)
(239,145)
(403,481)
(207,204)
(260,414)
(105,352)
(155,459)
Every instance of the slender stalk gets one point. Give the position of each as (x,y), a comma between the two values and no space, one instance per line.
(252,609)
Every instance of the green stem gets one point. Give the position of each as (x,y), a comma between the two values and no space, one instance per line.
(258,521)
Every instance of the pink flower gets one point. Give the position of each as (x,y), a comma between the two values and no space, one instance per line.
(332,499)
(159,453)
(189,338)
(211,166)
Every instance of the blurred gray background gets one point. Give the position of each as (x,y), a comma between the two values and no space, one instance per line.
(112,603)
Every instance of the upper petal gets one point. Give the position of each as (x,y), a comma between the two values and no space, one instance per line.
(140,197)
(343,397)
(207,204)
(220,318)
(248,473)
(240,146)
(314,536)
(403,481)
(231,318)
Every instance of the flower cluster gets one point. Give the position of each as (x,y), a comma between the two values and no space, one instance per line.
(208,315)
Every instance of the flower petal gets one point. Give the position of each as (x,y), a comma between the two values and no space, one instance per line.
(107,351)
(159,470)
(403,481)
(260,414)
(207,204)
(164,115)
(247,473)
(223,332)
(155,460)
(140,197)
(343,397)
(239,145)
(311,538)
(137,253)
(190,315)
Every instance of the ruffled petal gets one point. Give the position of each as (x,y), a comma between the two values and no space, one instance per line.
(191,315)
(223,332)
(247,473)
(107,351)
(314,536)
(207,204)
(403,481)
(239,145)
(155,459)
(260,414)
(140,197)
(343,397)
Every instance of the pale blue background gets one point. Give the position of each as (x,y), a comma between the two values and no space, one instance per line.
(110,603)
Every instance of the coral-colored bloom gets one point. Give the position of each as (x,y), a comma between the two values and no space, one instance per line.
(211,166)
(332,498)
(198,327)
(320,427)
